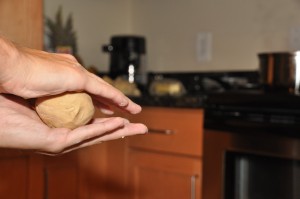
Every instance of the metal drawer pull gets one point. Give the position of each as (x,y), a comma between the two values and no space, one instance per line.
(161,131)
(193,186)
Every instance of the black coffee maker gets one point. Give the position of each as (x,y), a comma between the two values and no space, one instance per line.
(127,58)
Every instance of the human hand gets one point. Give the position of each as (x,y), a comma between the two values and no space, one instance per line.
(22,128)
(32,73)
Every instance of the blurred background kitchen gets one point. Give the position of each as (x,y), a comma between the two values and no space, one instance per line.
(234,31)
(220,96)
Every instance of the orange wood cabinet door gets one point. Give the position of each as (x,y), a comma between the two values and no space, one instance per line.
(21,175)
(172,130)
(167,162)
(61,177)
(160,176)
(22,21)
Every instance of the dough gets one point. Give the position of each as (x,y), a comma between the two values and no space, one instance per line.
(69,110)
(127,88)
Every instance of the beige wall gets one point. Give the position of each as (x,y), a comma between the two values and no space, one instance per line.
(240,29)
(94,22)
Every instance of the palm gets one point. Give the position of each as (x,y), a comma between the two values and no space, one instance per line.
(19,119)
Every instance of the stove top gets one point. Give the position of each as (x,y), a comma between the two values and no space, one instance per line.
(236,101)
(254,99)
(254,111)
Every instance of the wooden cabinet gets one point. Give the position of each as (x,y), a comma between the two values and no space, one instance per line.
(61,176)
(27,175)
(167,162)
(158,176)
(21,175)
(172,130)
(22,22)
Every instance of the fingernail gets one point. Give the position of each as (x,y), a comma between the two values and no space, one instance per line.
(146,131)
(106,111)
(138,109)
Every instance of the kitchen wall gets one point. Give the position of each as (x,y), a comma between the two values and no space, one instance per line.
(239,30)
(94,22)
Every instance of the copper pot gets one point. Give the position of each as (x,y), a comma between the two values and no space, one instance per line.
(280,71)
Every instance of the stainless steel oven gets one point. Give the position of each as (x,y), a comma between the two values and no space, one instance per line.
(251,152)
(250,166)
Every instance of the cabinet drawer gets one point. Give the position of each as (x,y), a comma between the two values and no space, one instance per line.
(174,130)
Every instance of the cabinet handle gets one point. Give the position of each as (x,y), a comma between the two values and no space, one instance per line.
(193,186)
(161,131)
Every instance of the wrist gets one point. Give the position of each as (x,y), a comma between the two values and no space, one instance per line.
(8,57)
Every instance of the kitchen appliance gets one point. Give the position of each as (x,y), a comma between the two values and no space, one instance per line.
(127,57)
(250,165)
(251,145)
(280,71)
(251,134)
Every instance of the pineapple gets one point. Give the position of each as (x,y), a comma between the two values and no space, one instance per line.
(62,37)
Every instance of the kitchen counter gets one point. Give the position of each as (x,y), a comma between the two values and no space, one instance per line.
(198,85)
(193,101)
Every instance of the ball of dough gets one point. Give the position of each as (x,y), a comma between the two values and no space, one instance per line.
(69,110)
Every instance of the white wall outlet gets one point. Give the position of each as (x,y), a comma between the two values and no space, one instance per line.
(204,46)
(294,39)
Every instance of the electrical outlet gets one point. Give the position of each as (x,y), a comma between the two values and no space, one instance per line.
(295,38)
(204,47)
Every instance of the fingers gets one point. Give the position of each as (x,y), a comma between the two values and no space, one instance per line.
(68,57)
(61,139)
(128,130)
(105,109)
(64,140)
(103,91)
(77,78)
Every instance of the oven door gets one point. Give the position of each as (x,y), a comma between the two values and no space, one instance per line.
(239,165)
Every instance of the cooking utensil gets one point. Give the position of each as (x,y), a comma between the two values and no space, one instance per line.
(279,71)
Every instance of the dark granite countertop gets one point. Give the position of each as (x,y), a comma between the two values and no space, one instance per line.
(194,101)
(198,86)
